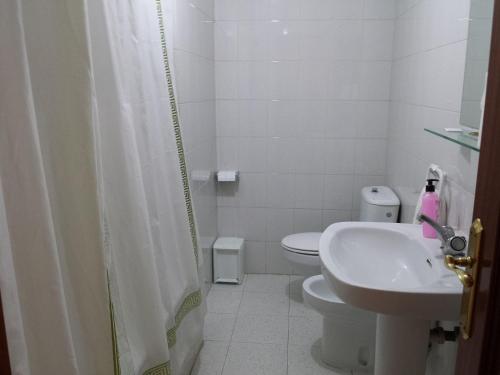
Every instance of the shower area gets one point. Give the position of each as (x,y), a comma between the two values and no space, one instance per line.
(101,259)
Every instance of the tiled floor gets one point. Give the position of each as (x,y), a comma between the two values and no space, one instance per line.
(261,328)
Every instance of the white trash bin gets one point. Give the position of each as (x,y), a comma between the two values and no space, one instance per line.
(228,260)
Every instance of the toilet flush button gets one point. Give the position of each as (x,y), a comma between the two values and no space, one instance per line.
(374,189)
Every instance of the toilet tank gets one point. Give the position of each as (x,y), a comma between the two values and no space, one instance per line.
(380,204)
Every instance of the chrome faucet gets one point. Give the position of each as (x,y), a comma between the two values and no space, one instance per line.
(451,244)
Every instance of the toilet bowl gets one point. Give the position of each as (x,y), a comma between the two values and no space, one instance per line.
(302,251)
(348,340)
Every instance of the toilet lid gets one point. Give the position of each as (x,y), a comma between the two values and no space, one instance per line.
(303,242)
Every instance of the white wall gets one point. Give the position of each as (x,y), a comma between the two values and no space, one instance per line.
(427,80)
(302,110)
(194,67)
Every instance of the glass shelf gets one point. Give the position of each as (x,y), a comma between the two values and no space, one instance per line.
(456,137)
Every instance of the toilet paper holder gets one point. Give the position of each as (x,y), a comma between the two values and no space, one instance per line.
(228,176)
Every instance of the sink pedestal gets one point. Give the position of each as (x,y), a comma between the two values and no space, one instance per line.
(401,346)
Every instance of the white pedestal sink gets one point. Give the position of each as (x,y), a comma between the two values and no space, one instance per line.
(392,270)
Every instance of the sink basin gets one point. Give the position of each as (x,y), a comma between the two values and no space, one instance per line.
(392,270)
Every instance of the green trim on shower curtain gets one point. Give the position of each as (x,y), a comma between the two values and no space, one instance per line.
(163,369)
(177,130)
(114,340)
(191,302)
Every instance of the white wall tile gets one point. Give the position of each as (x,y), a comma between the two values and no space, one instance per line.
(347,9)
(284,40)
(312,119)
(370,156)
(379,9)
(343,80)
(253,80)
(279,155)
(309,191)
(374,120)
(227,195)
(338,192)
(255,257)
(308,155)
(226,40)
(252,190)
(307,220)
(253,41)
(284,118)
(227,221)
(252,9)
(316,9)
(325,9)
(226,10)
(345,39)
(280,190)
(253,118)
(252,223)
(343,119)
(314,35)
(377,39)
(284,9)
(227,153)
(375,78)
(303,82)
(283,80)
(339,156)
(252,155)
(227,118)
(226,78)
(279,224)
(311,80)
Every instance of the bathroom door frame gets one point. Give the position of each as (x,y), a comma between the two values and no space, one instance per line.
(4,351)
(480,354)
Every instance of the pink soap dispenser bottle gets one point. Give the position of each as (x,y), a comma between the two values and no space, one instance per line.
(430,208)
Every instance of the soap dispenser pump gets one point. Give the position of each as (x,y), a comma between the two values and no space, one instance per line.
(430,208)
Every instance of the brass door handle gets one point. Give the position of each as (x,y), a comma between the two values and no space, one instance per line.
(467,269)
(454,264)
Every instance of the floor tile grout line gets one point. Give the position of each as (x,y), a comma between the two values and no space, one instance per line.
(225,357)
(238,313)
(234,325)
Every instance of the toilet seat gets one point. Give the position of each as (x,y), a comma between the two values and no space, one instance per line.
(302,251)
(302,243)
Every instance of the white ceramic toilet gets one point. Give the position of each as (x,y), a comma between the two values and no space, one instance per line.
(348,340)
(302,251)
(348,333)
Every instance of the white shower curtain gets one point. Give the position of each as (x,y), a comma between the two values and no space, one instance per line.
(98,248)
